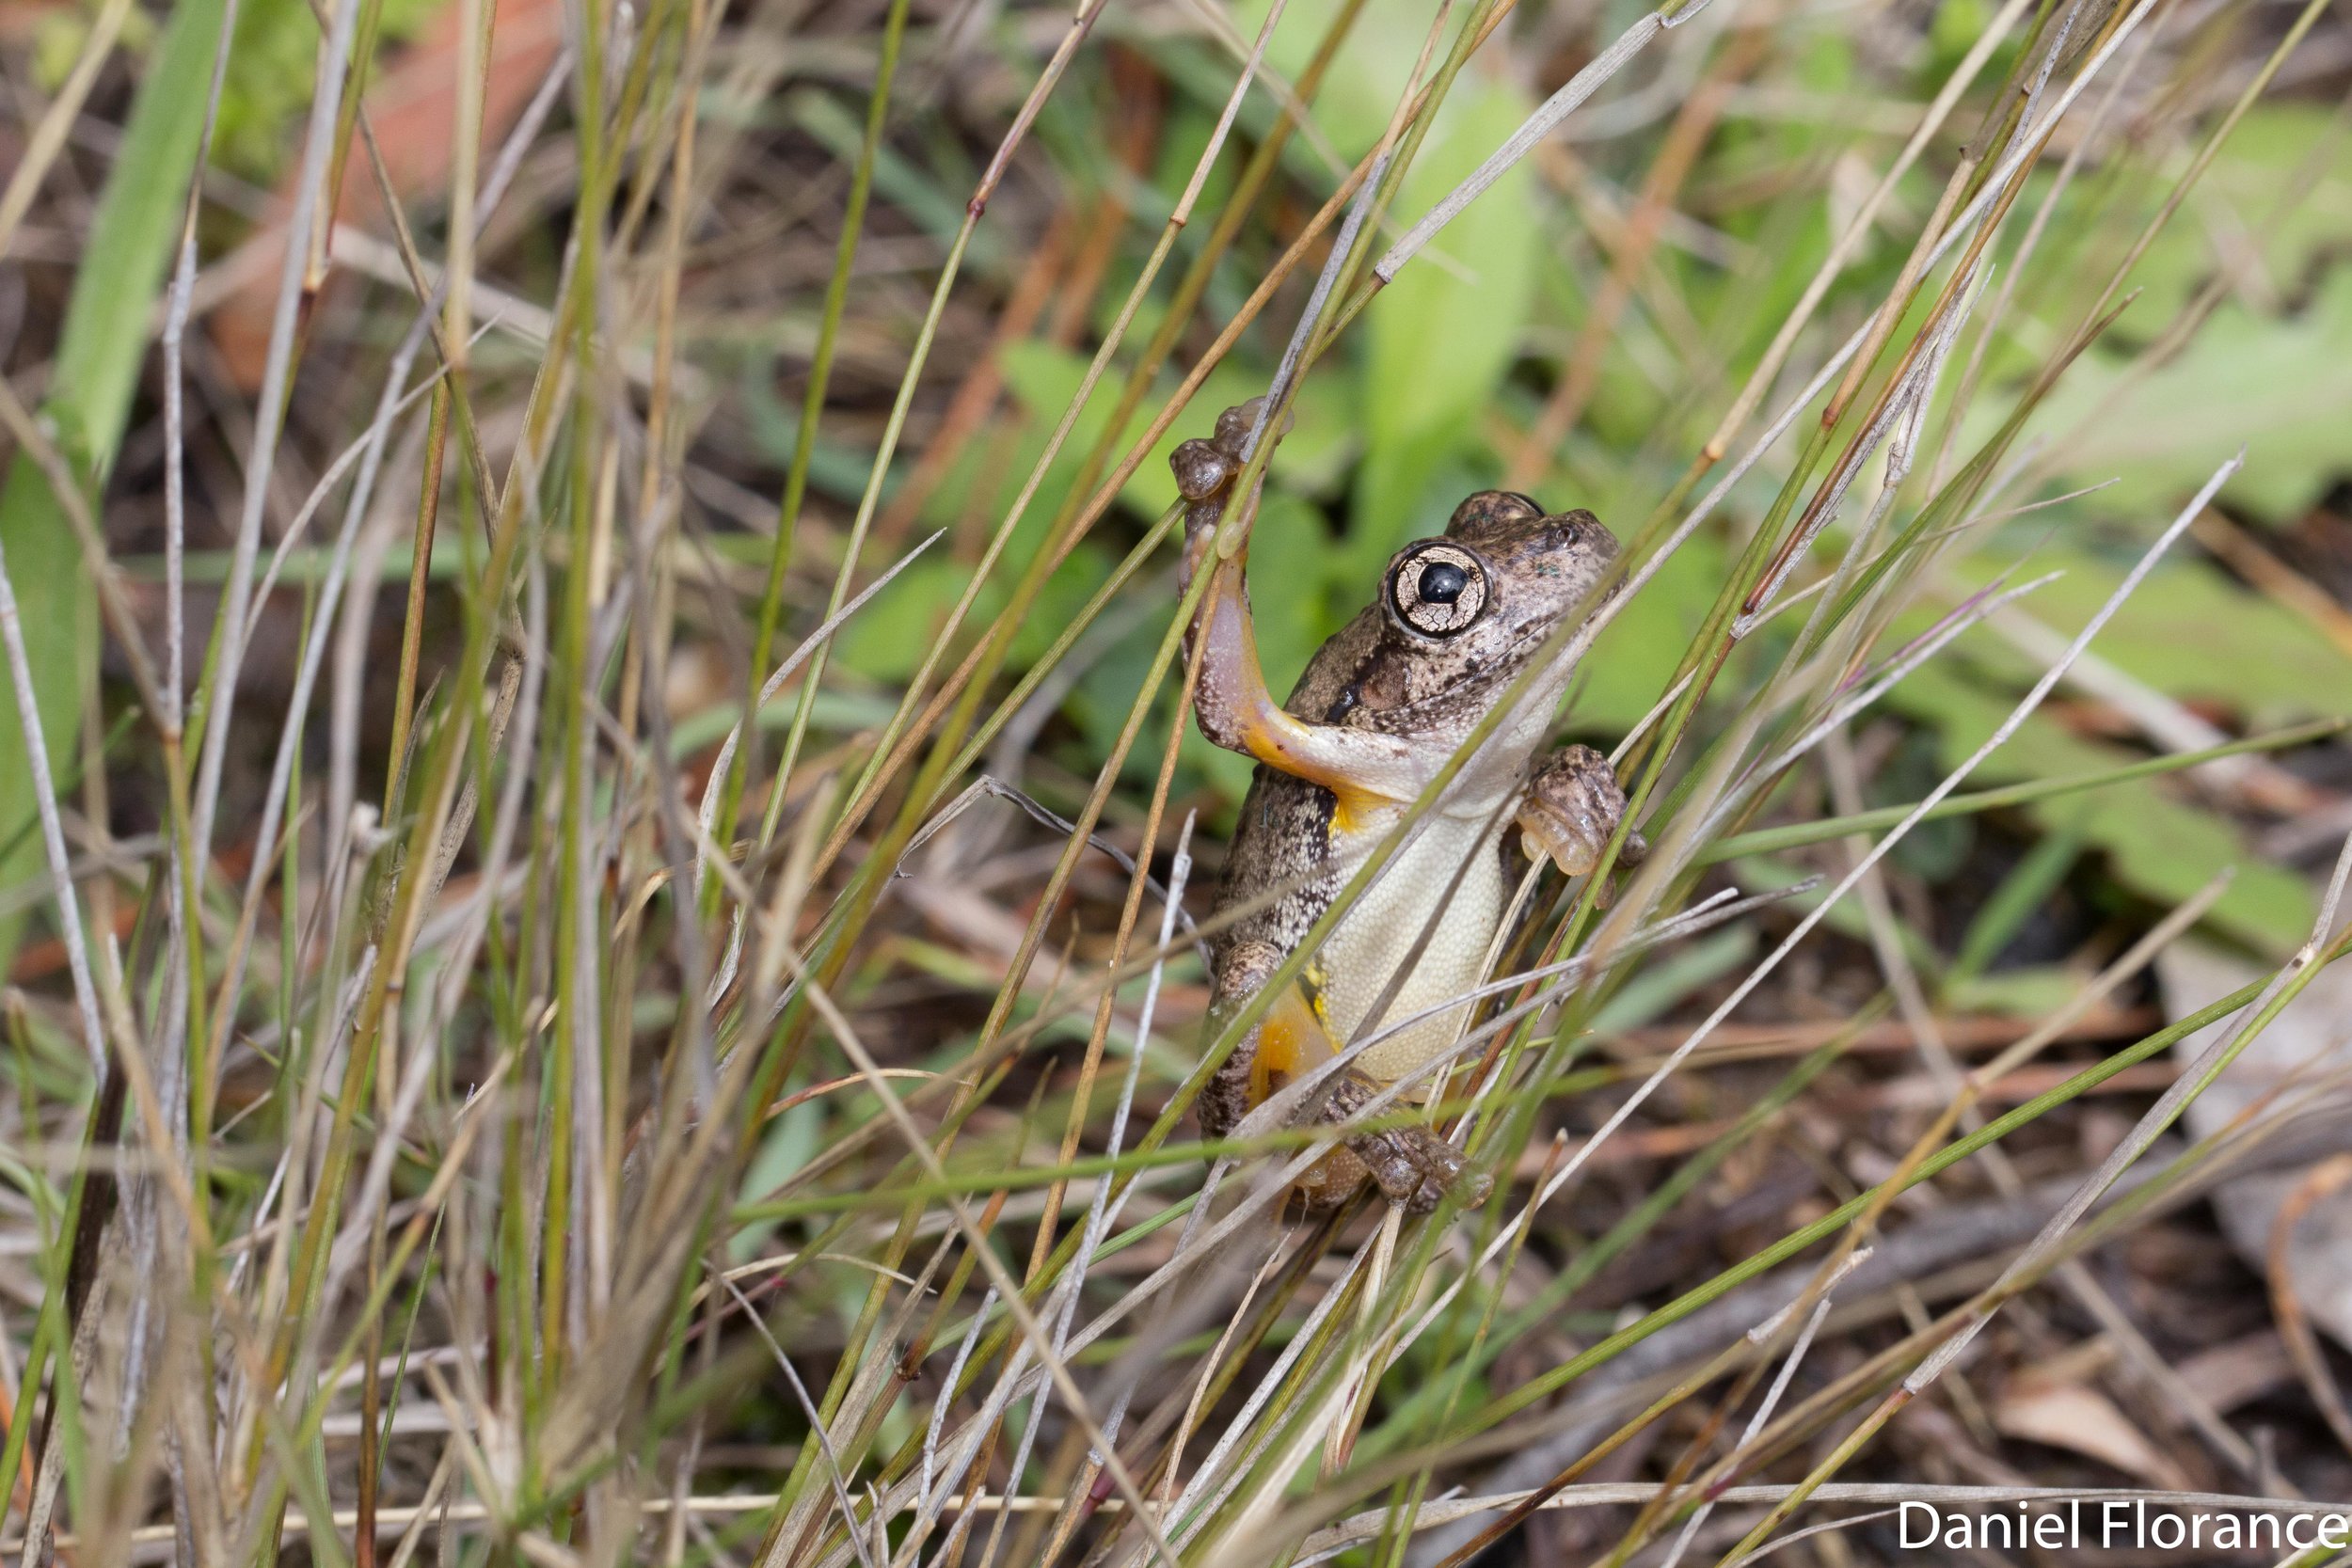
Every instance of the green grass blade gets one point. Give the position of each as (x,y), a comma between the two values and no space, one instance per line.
(104,339)
(1766,840)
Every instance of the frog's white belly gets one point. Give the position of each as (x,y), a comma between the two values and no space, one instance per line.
(1365,951)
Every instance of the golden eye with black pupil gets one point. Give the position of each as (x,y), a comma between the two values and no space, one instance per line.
(1438,590)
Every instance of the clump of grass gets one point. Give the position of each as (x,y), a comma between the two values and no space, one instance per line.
(621,984)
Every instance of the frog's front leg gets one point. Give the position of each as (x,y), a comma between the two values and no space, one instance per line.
(1234,707)
(1571,808)
(1412,1165)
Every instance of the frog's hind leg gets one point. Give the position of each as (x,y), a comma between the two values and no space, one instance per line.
(1412,1165)
(1288,1039)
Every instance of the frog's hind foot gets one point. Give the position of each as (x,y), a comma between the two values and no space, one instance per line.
(1412,1165)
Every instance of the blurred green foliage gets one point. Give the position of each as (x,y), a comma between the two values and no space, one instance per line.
(87,404)
(60,35)
(1459,354)
(272,63)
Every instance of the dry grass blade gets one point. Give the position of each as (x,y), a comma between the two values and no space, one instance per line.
(640,992)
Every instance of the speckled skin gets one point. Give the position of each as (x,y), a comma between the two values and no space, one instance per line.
(1380,710)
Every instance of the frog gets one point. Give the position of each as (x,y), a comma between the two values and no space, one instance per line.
(1380,710)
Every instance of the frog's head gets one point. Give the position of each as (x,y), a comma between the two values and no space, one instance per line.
(1482,597)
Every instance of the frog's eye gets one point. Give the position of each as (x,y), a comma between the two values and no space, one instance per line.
(1438,590)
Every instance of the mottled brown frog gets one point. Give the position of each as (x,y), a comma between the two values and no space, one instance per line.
(1382,707)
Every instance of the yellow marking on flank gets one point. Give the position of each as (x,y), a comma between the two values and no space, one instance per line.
(1314,982)
(1348,815)
(1291,1041)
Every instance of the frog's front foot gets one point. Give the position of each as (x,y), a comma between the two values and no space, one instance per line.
(1412,1165)
(1573,806)
(1204,468)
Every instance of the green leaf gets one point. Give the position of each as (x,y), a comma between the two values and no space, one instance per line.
(2190,631)
(1967,802)
(1371,73)
(1957,26)
(2027,888)
(1847,917)
(103,341)
(910,189)
(2157,845)
(2036,992)
(272,67)
(1658,988)
(888,639)
(1633,661)
(1439,340)
(833,468)
(2270,207)
(1044,378)
(2276,386)
(789,1143)
(1296,590)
